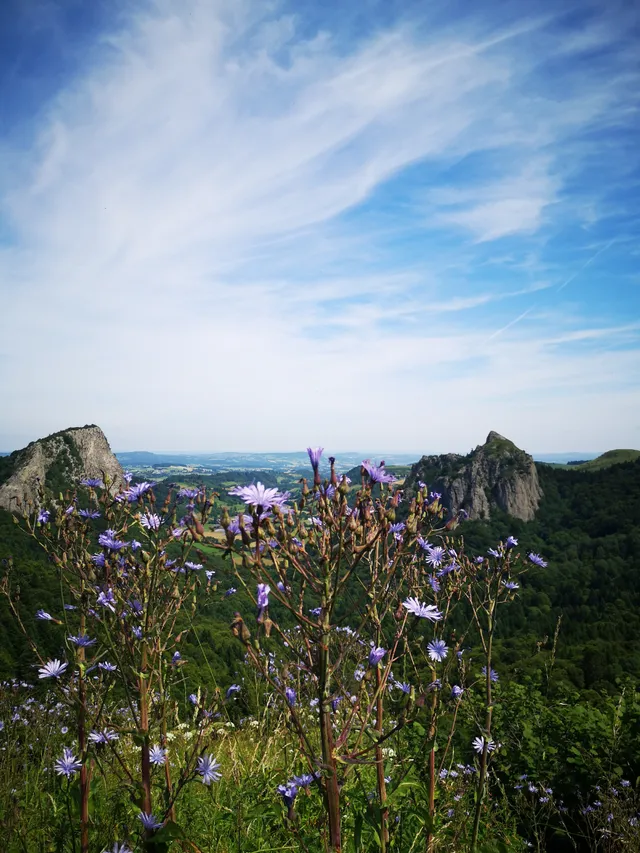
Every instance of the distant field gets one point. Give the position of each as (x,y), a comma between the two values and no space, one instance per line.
(611,457)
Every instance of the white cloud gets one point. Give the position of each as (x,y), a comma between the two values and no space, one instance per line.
(178,275)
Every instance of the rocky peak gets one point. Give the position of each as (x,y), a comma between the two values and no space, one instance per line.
(495,474)
(56,462)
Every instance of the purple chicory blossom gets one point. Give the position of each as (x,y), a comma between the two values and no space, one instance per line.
(193,699)
(435,556)
(259,496)
(493,675)
(99,560)
(119,848)
(376,654)
(82,641)
(290,694)
(434,583)
(43,516)
(134,493)
(68,765)
(134,544)
(157,755)
(107,599)
(314,456)
(89,513)
(479,743)
(511,542)
(316,611)
(103,737)
(151,521)
(288,793)
(92,482)
(105,666)
(510,585)
(188,493)
(537,560)
(42,614)
(262,597)
(195,567)
(52,669)
(231,591)
(177,657)
(137,632)
(234,688)
(209,575)
(108,540)
(208,769)
(437,650)
(149,821)
(377,474)
(424,611)
(493,552)
(456,692)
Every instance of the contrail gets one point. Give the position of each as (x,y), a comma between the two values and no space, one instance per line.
(508,326)
(586,264)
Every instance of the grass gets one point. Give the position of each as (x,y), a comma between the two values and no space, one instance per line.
(605,460)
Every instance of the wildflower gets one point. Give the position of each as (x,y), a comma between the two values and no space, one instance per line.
(375,655)
(137,632)
(290,693)
(262,597)
(479,743)
(105,666)
(335,702)
(435,556)
(235,688)
(625,783)
(43,516)
(92,482)
(259,496)
(98,560)
(537,560)
(82,641)
(316,611)
(157,755)
(108,540)
(478,561)
(134,493)
(118,848)
(52,669)
(510,585)
(314,456)
(176,658)
(188,493)
(424,611)
(195,567)
(403,685)
(377,474)
(208,769)
(151,521)
(69,607)
(511,542)
(493,675)
(435,685)
(69,509)
(134,545)
(209,575)
(107,599)
(434,583)
(231,591)
(104,736)
(149,821)
(68,765)
(193,699)
(64,730)
(304,780)
(493,553)
(423,543)
(288,793)
(456,691)
(437,650)
(42,614)
(359,673)
(89,513)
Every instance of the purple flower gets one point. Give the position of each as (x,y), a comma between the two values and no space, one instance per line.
(288,793)
(134,545)
(108,540)
(89,513)
(52,669)
(424,611)
(107,599)
(537,560)
(82,641)
(209,575)
(479,743)
(423,543)
(456,692)
(149,821)
(304,780)
(68,765)
(404,686)
(259,496)
(316,611)
(231,591)
(157,755)
(128,476)
(193,699)
(188,493)
(92,482)
(314,456)
(478,561)
(208,768)
(42,614)
(235,688)
(137,632)
(151,521)
(119,848)
(262,597)
(376,654)
(510,585)
(176,658)
(437,650)
(102,737)
(43,516)
(134,493)
(435,555)
(195,567)
(377,474)
(290,693)
(494,553)
(105,666)
(493,675)
(511,542)
(99,560)
(69,607)
(434,583)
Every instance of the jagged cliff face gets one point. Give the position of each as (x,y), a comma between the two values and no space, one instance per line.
(58,462)
(495,474)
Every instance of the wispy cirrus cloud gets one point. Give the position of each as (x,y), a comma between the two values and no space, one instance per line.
(223,198)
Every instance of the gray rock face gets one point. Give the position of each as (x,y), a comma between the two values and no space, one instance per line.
(495,474)
(57,462)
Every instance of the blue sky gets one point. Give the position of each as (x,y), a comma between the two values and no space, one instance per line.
(258,225)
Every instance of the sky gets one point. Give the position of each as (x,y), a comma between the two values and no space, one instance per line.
(255,225)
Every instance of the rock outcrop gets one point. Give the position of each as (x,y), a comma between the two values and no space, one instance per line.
(495,474)
(57,462)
